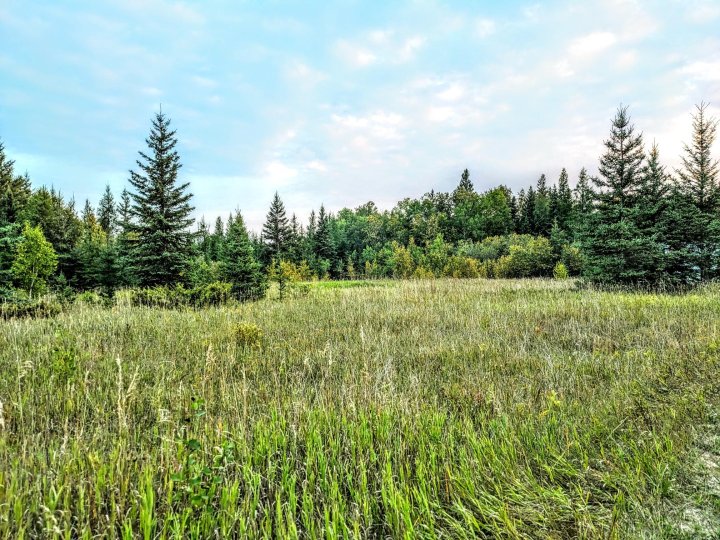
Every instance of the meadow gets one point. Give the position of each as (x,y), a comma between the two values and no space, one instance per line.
(406,409)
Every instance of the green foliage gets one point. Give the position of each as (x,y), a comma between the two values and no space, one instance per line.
(178,297)
(16,306)
(160,211)
(461,267)
(35,261)
(238,264)
(248,335)
(560,271)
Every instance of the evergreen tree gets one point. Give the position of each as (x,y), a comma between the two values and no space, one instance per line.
(563,203)
(583,205)
(276,230)
(218,238)
(123,245)
(542,214)
(161,211)
(106,213)
(238,264)
(527,213)
(694,208)
(14,194)
(14,190)
(324,250)
(617,251)
(699,175)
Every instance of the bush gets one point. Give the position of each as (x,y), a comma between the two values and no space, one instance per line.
(213,294)
(422,273)
(89,298)
(573,260)
(21,308)
(560,271)
(461,267)
(216,293)
(248,335)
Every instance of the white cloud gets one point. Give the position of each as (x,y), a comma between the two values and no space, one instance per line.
(355,55)
(454,92)
(702,70)
(278,174)
(379,46)
(627,60)
(484,27)
(592,44)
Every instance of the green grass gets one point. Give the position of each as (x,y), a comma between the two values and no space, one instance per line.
(437,409)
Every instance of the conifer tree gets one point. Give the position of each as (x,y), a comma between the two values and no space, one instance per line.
(699,175)
(527,213)
(541,214)
(106,214)
(617,250)
(563,202)
(238,264)
(324,251)
(693,220)
(161,211)
(276,230)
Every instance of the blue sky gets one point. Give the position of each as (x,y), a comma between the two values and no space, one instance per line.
(344,102)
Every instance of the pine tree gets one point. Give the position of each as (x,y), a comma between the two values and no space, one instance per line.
(563,202)
(694,207)
(699,175)
(542,215)
(276,230)
(238,264)
(124,242)
(218,238)
(527,213)
(161,211)
(106,214)
(617,251)
(324,250)
(14,190)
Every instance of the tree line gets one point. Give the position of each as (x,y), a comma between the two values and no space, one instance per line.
(635,223)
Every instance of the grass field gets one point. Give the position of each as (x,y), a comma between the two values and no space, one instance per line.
(434,409)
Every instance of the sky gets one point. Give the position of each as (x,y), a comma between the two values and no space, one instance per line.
(349,101)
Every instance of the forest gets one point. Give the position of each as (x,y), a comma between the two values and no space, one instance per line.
(634,224)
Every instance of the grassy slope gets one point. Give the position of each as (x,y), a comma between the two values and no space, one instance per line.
(437,409)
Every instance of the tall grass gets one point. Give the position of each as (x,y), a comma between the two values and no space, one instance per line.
(434,409)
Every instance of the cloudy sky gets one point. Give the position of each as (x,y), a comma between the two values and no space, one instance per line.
(348,101)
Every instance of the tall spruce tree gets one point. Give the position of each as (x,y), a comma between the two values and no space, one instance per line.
(562,211)
(324,249)
(161,211)
(699,174)
(542,212)
(694,206)
(106,213)
(617,251)
(14,194)
(238,264)
(276,230)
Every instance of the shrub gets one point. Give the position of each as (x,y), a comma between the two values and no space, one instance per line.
(560,271)
(572,258)
(216,293)
(89,298)
(248,335)
(422,273)
(21,308)
(461,267)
